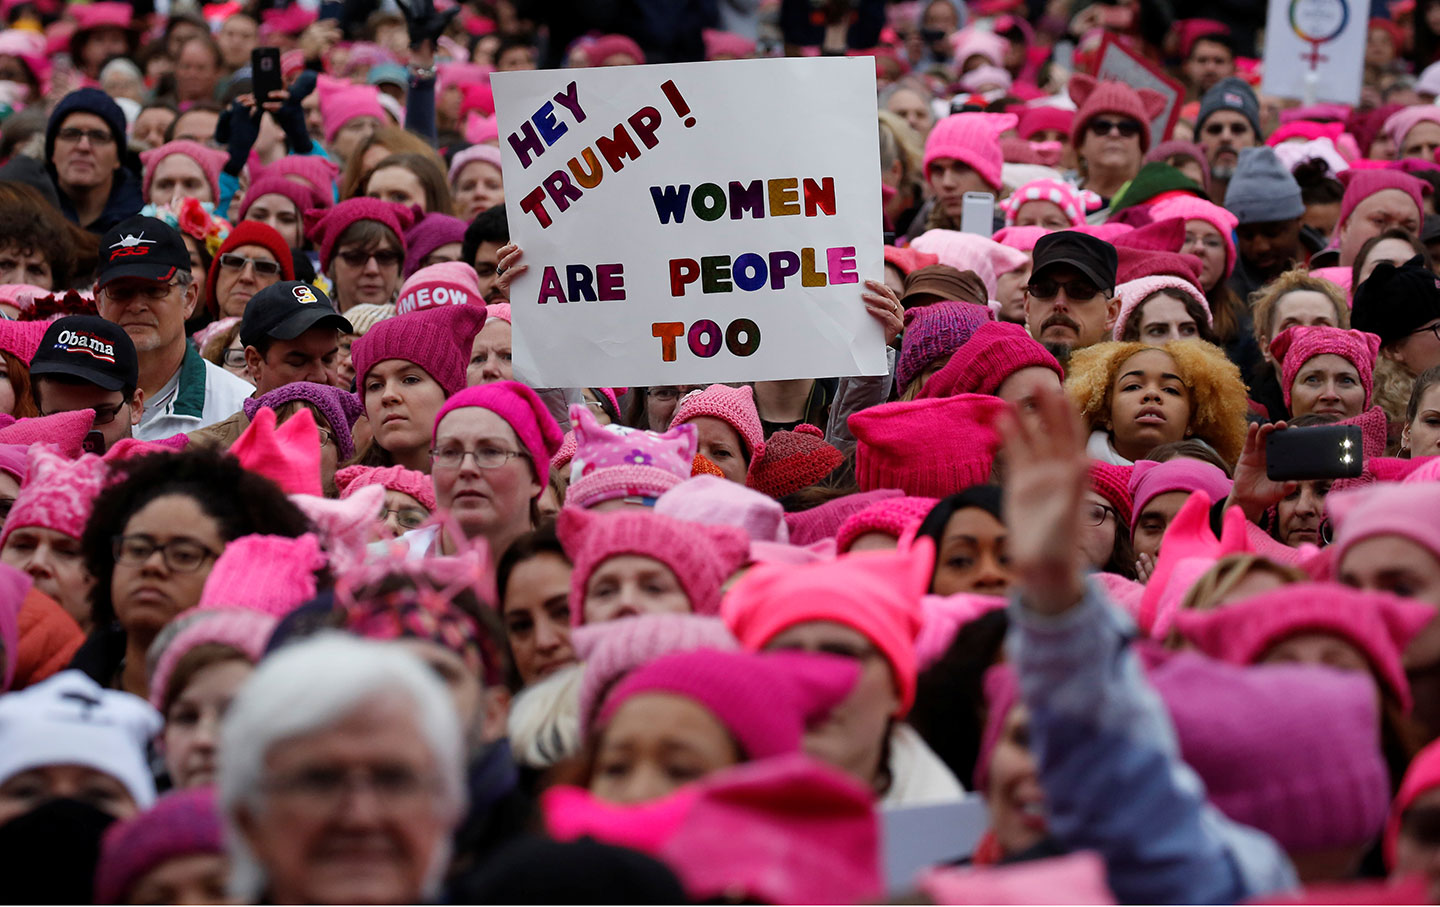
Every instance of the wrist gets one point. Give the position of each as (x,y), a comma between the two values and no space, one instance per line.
(421,73)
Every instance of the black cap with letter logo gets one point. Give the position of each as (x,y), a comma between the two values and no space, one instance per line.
(142,247)
(91,349)
(286,310)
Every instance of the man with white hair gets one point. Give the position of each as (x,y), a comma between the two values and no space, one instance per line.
(342,777)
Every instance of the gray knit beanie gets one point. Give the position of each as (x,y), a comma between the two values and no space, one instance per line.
(1262,189)
(1231,93)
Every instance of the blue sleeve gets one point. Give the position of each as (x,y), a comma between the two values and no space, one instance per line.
(229,185)
(1111,769)
(420,109)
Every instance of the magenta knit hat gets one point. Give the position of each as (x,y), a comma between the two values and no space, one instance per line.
(324,227)
(65,431)
(244,630)
(712,501)
(1378,624)
(13,459)
(1043,118)
(1188,207)
(430,233)
(1020,238)
(734,406)
(396,478)
(993,353)
(1405,509)
(701,557)
(436,339)
(320,173)
(1094,98)
(301,195)
(935,331)
(1112,482)
(1295,346)
(57,494)
(180,824)
(339,407)
(1076,203)
(897,517)
(1399,123)
(521,409)
(794,460)
(1135,292)
(612,649)
(341,105)
(1149,479)
(1361,184)
(928,448)
(972,252)
(613,461)
(972,139)
(270,574)
(766,702)
(210,160)
(821,523)
(485,154)
(446,283)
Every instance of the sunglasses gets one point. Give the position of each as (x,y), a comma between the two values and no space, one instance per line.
(263,266)
(1075,290)
(1220,128)
(1127,129)
(385,258)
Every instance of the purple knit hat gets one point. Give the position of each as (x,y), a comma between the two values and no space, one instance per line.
(325,226)
(612,461)
(521,409)
(300,194)
(430,233)
(339,407)
(935,331)
(436,339)
(1149,479)
(396,478)
(180,824)
(242,629)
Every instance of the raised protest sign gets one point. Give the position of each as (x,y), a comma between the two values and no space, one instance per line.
(694,222)
(1315,50)
(1121,64)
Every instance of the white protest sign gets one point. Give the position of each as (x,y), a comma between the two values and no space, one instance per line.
(693,222)
(1315,50)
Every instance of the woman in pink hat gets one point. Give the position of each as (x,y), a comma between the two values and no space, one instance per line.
(362,248)
(1324,370)
(1111,132)
(533,581)
(476,180)
(729,427)
(280,204)
(1294,299)
(1386,539)
(962,154)
(1156,310)
(182,169)
(1412,834)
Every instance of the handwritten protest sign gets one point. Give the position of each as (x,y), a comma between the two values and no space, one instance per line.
(694,222)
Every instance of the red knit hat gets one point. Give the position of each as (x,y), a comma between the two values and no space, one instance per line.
(325,226)
(993,353)
(1094,98)
(926,447)
(897,517)
(1297,345)
(734,406)
(973,140)
(794,460)
(906,260)
(1112,483)
(249,233)
(1166,235)
(436,339)
(1361,184)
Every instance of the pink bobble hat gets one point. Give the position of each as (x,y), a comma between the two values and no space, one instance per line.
(614,461)
(1075,203)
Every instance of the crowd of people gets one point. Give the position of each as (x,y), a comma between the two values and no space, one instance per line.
(305,598)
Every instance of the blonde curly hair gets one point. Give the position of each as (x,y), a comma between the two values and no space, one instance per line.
(1217,393)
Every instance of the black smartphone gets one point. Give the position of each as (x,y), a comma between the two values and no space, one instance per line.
(1315,452)
(94,443)
(265,72)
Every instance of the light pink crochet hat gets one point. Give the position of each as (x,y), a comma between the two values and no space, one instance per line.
(714,501)
(1404,509)
(485,154)
(265,573)
(210,160)
(733,405)
(614,461)
(897,517)
(1076,203)
(241,629)
(972,252)
(396,478)
(1295,346)
(57,494)
(1133,293)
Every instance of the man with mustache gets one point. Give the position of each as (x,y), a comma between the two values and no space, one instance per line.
(1070,302)
(1229,121)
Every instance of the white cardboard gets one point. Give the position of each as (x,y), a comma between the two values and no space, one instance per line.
(1315,50)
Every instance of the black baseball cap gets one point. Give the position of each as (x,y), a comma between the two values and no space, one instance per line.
(287,310)
(91,349)
(1093,257)
(142,247)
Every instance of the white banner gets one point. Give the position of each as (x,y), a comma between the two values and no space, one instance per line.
(693,223)
(1315,50)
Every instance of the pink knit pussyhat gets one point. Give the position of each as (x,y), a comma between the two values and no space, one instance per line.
(560,461)
(1405,510)
(701,557)
(395,478)
(1361,184)
(57,494)
(245,630)
(1075,203)
(342,105)
(446,283)
(300,194)
(933,332)
(972,252)
(1190,550)
(929,448)
(210,160)
(270,574)
(734,406)
(324,227)
(895,517)
(500,311)
(614,461)
(713,501)
(288,456)
(1116,98)
(181,824)
(436,339)
(973,140)
(1149,480)
(1190,208)
(1020,238)
(1295,346)
(765,701)
(22,339)
(319,173)
(1135,293)
(1399,124)
(525,413)
(485,154)
(612,649)
(975,41)
(64,431)
(345,526)
(1421,777)
(1380,625)
(992,354)
(821,523)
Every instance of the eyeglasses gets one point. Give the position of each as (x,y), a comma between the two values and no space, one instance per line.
(233,358)
(97,137)
(104,415)
(396,788)
(1075,290)
(181,555)
(1221,128)
(407,517)
(126,292)
(1095,514)
(327,437)
(263,266)
(1127,129)
(669,394)
(1213,243)
(452,457)
(1432,328)
(385,258)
